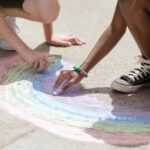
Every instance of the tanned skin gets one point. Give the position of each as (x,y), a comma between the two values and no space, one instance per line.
(134,14)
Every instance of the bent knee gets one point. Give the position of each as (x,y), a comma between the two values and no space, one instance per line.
(49,11)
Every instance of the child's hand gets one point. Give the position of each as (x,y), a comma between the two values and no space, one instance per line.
(73,78)
(65,40)
(36,60)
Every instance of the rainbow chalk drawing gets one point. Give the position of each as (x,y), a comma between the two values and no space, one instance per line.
(73,115)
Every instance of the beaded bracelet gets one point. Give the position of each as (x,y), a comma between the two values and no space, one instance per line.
(79,69)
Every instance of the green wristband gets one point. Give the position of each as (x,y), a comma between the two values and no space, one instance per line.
(79,69)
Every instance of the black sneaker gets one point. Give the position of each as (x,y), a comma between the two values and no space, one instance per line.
(135,79)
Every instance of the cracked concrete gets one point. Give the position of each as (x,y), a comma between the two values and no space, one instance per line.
(12,129)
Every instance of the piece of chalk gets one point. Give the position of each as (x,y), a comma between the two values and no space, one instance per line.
(59,89)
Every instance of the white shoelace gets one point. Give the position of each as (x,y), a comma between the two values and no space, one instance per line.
(140,73)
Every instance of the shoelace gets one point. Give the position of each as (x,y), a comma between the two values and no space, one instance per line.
(140,73)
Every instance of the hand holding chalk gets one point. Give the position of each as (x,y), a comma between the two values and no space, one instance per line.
(59,89)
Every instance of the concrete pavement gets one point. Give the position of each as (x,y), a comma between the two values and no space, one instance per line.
(88,19)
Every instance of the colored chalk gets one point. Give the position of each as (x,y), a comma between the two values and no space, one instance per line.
(25,94)
(59,89)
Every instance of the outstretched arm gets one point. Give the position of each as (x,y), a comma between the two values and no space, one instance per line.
(104,45)
(107,41)
(60,40)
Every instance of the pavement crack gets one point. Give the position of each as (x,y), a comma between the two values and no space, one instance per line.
(21,136)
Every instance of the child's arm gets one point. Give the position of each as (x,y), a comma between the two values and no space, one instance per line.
(105,44)
(35,60)
(60,40)
(107,41)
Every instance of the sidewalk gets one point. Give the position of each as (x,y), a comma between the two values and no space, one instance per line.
(88,19)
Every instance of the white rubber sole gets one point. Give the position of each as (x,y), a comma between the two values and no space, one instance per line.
(127,89)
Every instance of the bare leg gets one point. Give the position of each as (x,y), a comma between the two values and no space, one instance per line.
(141,32)
(137,16)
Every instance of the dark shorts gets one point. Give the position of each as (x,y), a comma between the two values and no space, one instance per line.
(11,3)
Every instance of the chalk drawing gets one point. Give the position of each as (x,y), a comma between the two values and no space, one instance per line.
(73,115)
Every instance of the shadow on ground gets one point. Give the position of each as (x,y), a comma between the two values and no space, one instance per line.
(128,102)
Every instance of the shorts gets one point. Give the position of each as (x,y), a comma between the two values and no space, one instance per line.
(11,3)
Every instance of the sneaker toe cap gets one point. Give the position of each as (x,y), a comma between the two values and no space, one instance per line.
(120,82)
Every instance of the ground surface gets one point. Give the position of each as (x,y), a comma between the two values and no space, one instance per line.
(88,19)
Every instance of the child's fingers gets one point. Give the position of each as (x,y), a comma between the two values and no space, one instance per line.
(58,82)
(35,66)
(46,60)
(41,66)
(31,64)
(81,41)
(78,42)
(67,86)
(75,40)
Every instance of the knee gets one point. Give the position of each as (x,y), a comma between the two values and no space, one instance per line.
(49,11)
